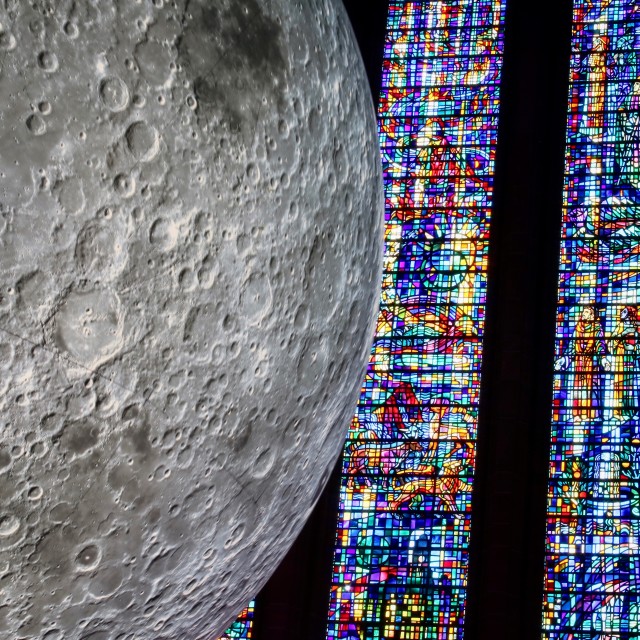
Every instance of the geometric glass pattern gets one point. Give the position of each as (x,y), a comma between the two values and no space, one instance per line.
(592,554)
(400,566)
(242,628)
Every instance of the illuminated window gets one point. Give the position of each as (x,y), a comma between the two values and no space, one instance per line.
(593,561)
(401,555)
(242,628)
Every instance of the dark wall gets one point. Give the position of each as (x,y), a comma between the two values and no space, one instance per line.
(369,25)
(506,571)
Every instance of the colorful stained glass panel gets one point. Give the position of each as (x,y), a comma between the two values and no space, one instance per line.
(242,628)
(592,556)
(400,568)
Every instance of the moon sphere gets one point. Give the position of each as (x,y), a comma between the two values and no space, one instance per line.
(190,247)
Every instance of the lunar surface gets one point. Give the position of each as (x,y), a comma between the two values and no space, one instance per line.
(190,245)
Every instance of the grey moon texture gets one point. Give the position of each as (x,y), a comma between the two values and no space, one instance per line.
(190,252)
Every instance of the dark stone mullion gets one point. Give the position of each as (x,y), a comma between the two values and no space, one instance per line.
(506,571)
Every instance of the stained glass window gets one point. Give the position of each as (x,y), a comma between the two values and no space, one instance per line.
(592,554)
(242,628)
(404,522)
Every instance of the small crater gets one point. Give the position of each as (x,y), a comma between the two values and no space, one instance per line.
(143,141)
(89,558)
(283,129)
(35,493)
(256,298)
(7,41)
(100,252)
(36,124)
(9,525)
(124,185)
(114,94)
(70,195)
(89,326)
(187,279)
(71,30)
(154,61)
(39,449)
(61,512)
(253,174)
(163,234)
(48,61)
